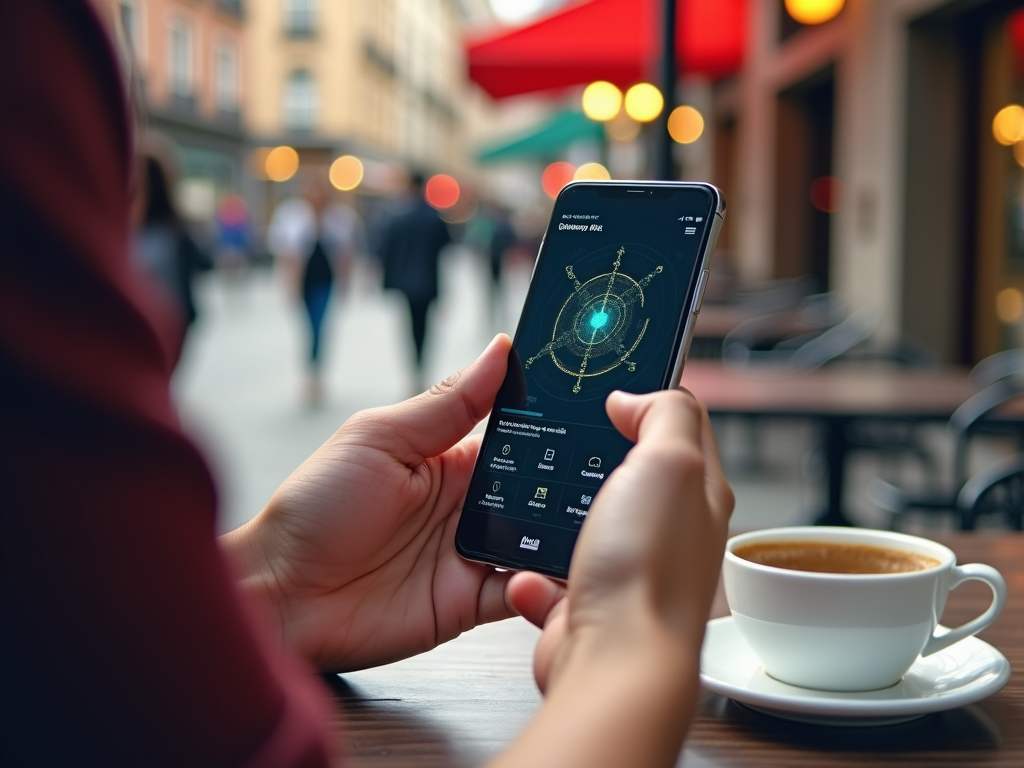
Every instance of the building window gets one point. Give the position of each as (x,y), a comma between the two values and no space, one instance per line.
(300,17)
(179,59)
(225,67)
(301,102)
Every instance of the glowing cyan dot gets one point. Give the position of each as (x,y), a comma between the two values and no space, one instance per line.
(599,320)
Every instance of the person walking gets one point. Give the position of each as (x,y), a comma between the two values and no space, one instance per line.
(314,242)
(163,247)
(410,248)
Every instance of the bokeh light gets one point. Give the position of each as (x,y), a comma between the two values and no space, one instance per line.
(826,194)
(346,173)
(685,124)
(592,171)
(814,11)
(281,163)
(644,102)
(1010,305)
(1008,124)
(442,191)
(601,101)
(556,176)
(622,128)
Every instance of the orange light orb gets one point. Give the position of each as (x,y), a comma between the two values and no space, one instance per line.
(346,173)
(1008,124)
(281,163)
(814,11)
(685,124)
(1010,305)
(556,176)
(592,171)
(442,191)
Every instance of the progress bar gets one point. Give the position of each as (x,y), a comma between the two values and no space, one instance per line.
(522,413)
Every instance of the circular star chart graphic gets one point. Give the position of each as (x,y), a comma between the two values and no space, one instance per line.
(599,326)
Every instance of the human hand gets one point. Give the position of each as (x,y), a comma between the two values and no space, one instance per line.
(355,551)
(647,560)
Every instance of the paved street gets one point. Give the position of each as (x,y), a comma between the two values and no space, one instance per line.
(240,383)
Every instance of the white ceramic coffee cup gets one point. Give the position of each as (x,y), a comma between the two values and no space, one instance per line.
(848,632)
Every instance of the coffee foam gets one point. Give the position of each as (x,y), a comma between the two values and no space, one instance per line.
(834,557)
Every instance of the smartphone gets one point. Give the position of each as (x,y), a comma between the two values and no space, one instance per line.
(612,304)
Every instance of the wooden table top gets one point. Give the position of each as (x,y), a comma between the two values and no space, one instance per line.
(461,703)
(831,391)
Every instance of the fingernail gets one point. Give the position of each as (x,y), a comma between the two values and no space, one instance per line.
(623,394)
(493,342)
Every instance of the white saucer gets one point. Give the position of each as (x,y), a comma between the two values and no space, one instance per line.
(964,673)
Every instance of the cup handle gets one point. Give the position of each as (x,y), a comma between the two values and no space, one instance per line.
(971,572)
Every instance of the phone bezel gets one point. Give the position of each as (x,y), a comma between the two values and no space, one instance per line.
(681,340)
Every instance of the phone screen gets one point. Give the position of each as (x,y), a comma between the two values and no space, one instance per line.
(606,310)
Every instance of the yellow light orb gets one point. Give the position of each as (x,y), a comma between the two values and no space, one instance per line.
(685,124)
(282,163)
(1010,305)
(601,101)
(1008,124)
(814,11)
(644,102)
(592,171)
(346,173)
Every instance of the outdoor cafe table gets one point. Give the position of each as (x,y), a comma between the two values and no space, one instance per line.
(461,703)
(835,397)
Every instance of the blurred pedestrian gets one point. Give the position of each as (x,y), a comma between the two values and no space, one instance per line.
(314,240)
(410,248)
(234,232)
(503,238)
(163,245)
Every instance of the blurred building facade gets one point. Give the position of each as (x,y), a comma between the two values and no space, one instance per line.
(383,80)
(861,152)
(189,71)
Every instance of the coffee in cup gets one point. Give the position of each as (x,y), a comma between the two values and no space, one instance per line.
(846,609)
(834,557)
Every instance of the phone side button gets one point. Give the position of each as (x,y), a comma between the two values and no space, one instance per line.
(698,298)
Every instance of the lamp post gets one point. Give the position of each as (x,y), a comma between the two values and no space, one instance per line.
(662,165)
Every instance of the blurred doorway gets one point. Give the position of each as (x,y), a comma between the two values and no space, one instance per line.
(806,193)
(963,261)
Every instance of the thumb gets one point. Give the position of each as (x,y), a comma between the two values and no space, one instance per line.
(431,423)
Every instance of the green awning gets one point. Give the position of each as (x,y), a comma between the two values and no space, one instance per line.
(544,141)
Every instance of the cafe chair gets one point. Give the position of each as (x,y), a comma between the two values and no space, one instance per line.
(974,417)
(773,296)
(893,438)
(823,332)
(998,366)
(996,490)
(819,332)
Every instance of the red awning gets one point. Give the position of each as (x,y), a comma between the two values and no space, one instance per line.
(615,40)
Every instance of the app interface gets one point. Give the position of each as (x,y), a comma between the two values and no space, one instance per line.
(605,312)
